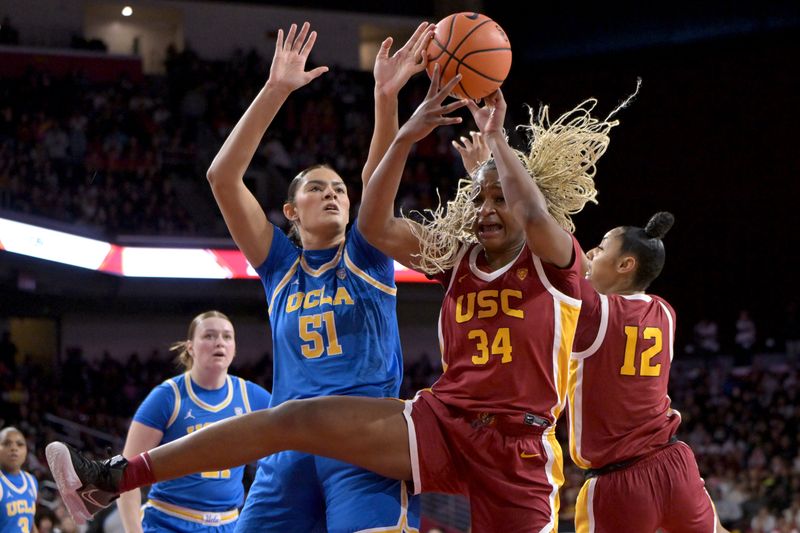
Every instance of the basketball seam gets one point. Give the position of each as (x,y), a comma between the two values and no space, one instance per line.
(473,69)
(462,62)
(444,46)
(467,36)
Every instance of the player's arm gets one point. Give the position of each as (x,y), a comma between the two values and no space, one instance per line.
(243,215)
(376,221)
(140,439)
(391,75)
(474,152)
(545,237)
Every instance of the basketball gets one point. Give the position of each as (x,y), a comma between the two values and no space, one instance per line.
(474,46)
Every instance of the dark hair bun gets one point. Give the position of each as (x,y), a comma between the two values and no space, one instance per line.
(659,224)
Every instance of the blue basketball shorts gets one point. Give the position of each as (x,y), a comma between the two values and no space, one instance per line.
(295,491)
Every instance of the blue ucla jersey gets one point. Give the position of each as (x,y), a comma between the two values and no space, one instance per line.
(179,407)
(333,319)
(18,497)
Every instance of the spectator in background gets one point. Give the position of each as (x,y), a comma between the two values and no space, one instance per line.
(763,522)
(745,338)
(706,337)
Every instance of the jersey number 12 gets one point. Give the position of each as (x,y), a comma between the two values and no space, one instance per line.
(645,368)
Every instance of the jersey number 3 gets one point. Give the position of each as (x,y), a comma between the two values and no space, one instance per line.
(645,368)
(311,327)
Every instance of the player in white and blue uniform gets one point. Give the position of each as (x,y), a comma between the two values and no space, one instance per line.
(18,489)
(181,405)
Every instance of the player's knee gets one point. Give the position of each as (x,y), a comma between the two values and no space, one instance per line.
(295,417)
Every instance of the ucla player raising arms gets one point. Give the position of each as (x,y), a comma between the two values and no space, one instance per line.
(331,301)
(622,429)
(18,489)
(203,395)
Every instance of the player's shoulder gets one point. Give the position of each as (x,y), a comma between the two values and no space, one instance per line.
(664,304)
(175,381)
(643,304)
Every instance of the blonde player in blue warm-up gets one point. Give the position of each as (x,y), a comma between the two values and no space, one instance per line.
(18,489)
(204,394)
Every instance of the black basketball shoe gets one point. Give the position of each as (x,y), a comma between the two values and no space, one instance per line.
(86,486)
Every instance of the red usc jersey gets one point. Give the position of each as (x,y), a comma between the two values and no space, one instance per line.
(618,377)
(506,336)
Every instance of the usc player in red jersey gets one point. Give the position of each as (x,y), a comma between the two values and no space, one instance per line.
(513,270)
(639,477)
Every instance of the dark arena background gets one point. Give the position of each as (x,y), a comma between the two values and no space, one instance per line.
(110,240)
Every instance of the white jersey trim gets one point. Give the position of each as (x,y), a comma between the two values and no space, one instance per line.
(558,331)
(574,302)
(245,399)
(207,406)
(412,445)
(18,490)
(576,413)
(671,330)
(177,407)
(34,487)
(461,252)
(590,503)
(282,283)
(493,275)
(638,296)
(391,291)
(601,331)
(551,459)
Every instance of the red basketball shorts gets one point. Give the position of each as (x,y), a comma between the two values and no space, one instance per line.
(510,471)
(663,490)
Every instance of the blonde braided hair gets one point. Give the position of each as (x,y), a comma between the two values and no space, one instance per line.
(562,157)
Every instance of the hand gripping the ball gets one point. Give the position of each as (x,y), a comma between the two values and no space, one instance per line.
(490,117)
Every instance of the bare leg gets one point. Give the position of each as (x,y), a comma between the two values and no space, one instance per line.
(368,432)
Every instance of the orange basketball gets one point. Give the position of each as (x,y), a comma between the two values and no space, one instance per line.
(474,46)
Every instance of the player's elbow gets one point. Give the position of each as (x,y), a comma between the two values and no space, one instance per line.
(368,229)
(212,175)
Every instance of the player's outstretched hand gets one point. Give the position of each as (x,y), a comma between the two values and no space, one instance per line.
(473,152)
(490,117)
(392,72)
(431,113)
(288,70)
